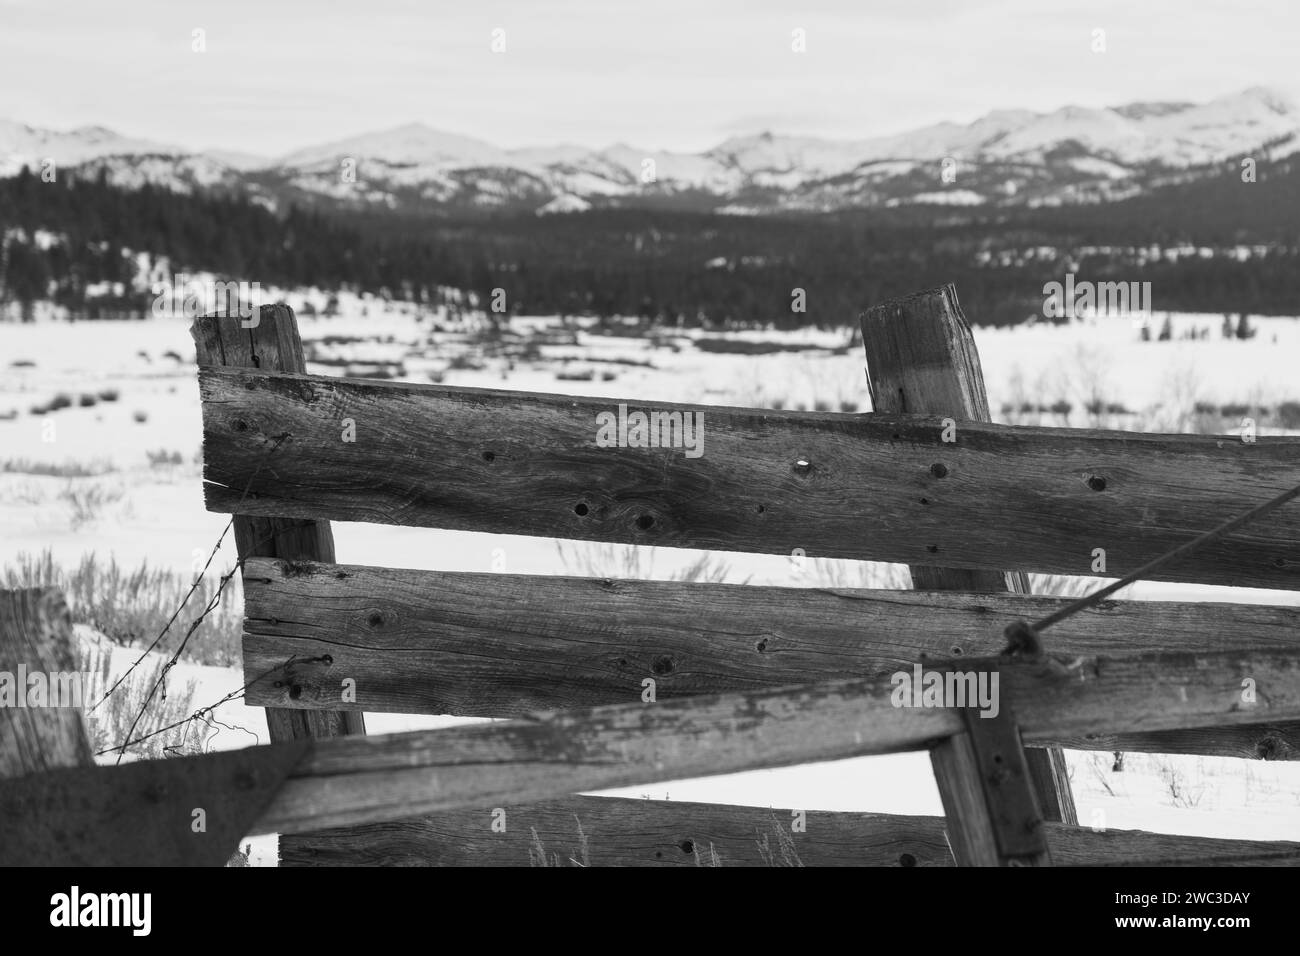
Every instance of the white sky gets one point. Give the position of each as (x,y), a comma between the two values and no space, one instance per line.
(281,74)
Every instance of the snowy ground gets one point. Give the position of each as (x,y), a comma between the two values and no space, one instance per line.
(156,512)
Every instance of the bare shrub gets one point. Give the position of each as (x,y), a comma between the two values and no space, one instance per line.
(68,469)
(1183,388)
(637,562)
(1089,379)
(87,502)
(109,723)
(1288,415)
(163,457)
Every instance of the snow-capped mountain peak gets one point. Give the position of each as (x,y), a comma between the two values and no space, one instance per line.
(1071,154)
(22,145)
(1269,98)
(411,144)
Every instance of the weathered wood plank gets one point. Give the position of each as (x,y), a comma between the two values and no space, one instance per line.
(504,645)
(36,639)
(271,342)
(921,357)
(143,812)
(371,779)
(988,797)
(623,832)
(344,781)
(1280,741)
(883,487)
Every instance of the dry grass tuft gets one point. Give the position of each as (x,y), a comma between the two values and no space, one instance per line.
(130,607)
(539,856)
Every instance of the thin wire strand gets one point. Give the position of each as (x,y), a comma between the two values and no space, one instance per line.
(175,614)
(212,603)
(260,540)
(202,711)
(1150,567)
(197,581)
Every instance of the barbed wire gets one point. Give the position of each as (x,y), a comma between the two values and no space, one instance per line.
(172,620)
(202,712)
(212,604)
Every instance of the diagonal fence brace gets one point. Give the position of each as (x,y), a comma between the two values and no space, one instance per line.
(1013,812)
(994,818)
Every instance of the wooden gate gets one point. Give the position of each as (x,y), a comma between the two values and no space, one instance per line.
(608,683)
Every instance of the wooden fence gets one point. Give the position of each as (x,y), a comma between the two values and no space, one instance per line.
(744,677)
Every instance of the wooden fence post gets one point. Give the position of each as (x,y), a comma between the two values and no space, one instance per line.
(36,637)
(921,358)
(269,340)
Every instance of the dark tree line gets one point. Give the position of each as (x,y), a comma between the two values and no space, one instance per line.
(230,235)
(666,264)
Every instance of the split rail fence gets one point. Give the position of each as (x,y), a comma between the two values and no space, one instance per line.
(745,677)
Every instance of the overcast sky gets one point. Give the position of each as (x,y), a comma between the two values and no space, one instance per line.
(281,74)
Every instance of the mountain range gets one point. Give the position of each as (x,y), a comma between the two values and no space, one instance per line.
(1005,158)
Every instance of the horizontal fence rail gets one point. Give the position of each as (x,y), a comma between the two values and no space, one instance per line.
(492,645)
(347,780)
(352,780)
(614,831)
(503,645)
(884,487)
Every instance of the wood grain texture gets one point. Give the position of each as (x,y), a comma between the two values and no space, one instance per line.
(988,797)
(36,635)
(142,812)
(346,781)
(967,814)
(623,832)
(515,462)
(921,357)
(352,780)
(503,645)
(1267,741)
(272,343)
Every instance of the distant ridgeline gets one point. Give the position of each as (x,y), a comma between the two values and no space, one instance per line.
(1216,245)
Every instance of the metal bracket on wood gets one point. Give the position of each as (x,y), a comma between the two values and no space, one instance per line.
(1013,812)
(994,817)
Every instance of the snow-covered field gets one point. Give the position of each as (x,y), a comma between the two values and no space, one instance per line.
(155,512)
